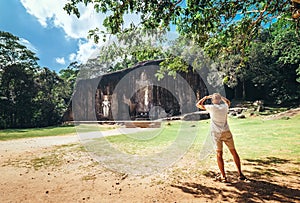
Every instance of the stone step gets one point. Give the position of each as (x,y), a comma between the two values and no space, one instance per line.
(142,124)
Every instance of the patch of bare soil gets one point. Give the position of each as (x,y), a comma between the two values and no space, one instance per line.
(286,114)
(67,173)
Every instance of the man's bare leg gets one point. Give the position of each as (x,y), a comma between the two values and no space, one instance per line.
(221,163)
(237,162)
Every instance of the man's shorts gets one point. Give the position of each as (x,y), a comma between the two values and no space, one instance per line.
(225,137)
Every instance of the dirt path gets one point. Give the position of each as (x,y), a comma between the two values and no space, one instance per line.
(58,169)
(29,144)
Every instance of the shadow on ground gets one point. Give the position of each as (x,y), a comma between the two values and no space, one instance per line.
(253,191)
(271,166)
(259,187)
(267,161)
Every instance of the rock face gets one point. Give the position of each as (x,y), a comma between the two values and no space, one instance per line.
(135,94)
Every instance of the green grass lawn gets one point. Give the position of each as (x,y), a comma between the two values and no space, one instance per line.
(267,138)
(257,141)
(254,138)
(10,134)
(147,142)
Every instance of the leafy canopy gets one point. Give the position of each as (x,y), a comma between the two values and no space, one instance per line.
(254,41)
(217,25)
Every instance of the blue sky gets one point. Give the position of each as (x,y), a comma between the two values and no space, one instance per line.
(50,32)
(49,43)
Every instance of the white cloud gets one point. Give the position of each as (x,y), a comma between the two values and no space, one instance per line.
(86,50)
(60,60)
(50,13)
(30,46)
(72,57)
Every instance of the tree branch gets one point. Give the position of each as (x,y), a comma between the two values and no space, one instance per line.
(178,2)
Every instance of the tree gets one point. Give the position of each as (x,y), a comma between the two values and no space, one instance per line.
(230,33)
(30,96)
(138,46)
(219,26)
(17,69)
(270,66)
(17,90)
(49,101)
(12,52)
(69,76)
(133,47)
(273,61)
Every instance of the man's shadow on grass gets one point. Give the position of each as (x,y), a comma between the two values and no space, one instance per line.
(254,190)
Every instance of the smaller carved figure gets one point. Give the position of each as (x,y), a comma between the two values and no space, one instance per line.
(105,106)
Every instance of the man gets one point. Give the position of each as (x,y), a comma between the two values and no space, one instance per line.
(220,131)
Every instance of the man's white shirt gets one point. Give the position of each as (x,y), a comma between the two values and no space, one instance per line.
(218,116)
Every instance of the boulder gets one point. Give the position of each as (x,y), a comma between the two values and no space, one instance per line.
(232,113)
(196,116)
(241,116)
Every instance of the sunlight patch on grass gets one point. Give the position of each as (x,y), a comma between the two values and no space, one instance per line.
(149,142)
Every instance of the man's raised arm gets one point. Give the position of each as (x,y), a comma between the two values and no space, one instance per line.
(226,101)
(201,101)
